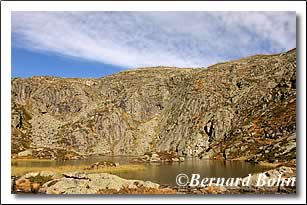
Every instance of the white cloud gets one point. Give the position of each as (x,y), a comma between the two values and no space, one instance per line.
(138,39)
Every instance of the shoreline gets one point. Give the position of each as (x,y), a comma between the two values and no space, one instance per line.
(77,182)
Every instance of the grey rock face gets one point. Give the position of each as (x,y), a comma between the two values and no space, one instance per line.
(79,183)
(239,106)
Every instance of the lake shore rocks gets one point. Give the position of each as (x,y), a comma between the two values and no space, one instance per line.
(25,153)
(159,157)
(261,182)
(47,153)
(104,183)
(102,164)
(31,182)
(81,183)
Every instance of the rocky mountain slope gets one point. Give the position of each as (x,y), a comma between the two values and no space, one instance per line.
(242,109)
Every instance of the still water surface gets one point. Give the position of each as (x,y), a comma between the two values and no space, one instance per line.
(165,173)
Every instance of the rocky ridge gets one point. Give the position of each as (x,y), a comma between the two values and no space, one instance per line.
(242,109)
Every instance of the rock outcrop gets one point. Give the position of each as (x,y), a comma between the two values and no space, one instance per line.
(31,182)
(159,157)
(102,164)
(244,109)
(81,183)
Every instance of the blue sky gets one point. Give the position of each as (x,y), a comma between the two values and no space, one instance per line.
(27,63)
(95,44)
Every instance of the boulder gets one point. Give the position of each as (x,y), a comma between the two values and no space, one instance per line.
(152,159)
(103,164)
(207,155)
(75,175)
(23,185)
(42,174)
(72,183)
(286,172)
(154,155)
(25,153)
(175,159)
(181,159)
(35,187)
(31,182)
(146,157)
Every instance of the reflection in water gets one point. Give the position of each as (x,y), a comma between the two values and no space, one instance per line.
(165,173)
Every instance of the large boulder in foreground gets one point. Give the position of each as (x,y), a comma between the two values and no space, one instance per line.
(82,183)
(31,182)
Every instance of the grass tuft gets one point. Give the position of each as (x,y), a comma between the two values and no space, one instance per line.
(19,171)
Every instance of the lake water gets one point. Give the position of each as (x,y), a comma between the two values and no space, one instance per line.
(165,173)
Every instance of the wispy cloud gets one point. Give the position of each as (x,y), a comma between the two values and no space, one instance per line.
(138,39)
